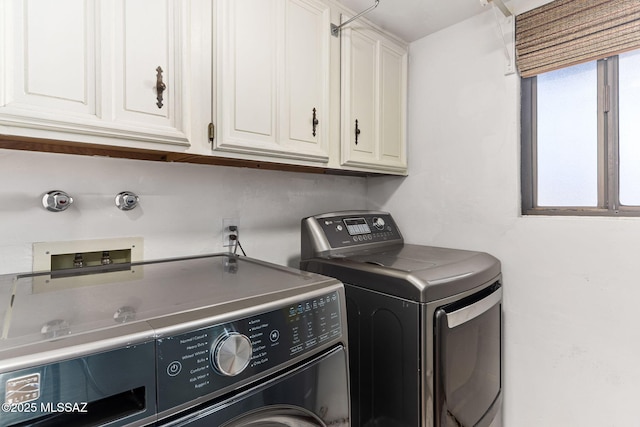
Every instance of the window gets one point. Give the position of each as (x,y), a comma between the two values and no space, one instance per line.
(581,139)
(580,68)
(629,128)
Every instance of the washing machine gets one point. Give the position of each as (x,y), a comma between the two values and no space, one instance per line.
(425,323)
(274,354)
(216,340)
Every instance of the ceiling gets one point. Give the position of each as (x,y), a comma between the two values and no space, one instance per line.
(413,19)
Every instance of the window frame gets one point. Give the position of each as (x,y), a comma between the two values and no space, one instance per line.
(608,152)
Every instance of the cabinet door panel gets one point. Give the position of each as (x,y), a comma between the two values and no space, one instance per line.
(360,91)
(85,70)
(273,70)
(254,39)
(374,77)
(247,73)
(392,104)
(148,34)
(56,64)
(306,77)
(53,61)
(146,47)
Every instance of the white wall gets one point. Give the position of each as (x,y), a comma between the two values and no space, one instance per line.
(572,341)
(181,205)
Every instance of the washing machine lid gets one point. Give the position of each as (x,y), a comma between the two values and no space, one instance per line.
(56,316)
(415,272)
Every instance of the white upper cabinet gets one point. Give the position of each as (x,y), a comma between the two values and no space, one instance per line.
(147,69)
(92,68)
(50,66)
(273,78)
(268,75)
(374,88)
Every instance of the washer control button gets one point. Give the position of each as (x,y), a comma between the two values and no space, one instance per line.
(174,368)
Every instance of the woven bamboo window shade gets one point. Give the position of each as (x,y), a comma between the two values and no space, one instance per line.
(568,32)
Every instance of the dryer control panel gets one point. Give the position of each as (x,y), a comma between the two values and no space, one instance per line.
(358,228)
(215,358)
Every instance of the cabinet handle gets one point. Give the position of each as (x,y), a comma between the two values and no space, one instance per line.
(160,86)
(315,122)
(357,131)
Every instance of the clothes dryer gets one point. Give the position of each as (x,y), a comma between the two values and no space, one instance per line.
(424,322)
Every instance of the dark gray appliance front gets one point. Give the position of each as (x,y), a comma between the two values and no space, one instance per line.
(205,340)
(280,360)
(110,388)
(211,361)
(312,394)
(424,323)
(384,358)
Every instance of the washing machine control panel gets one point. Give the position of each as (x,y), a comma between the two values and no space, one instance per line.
(227,355)
(353,230)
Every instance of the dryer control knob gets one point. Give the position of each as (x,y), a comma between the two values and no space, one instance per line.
(378,223)
(231,353)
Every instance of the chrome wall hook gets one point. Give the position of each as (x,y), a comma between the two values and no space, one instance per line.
(335,29)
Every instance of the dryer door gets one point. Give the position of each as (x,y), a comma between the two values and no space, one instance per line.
(468,365)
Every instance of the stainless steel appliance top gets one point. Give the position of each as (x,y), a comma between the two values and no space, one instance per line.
(366,248)
(51,316)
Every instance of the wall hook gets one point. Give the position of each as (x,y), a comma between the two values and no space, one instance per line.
(335,29)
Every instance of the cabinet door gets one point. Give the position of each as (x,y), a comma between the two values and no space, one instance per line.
(49,63)
(360,98)
(247,49)
(374,86)
(85,70)
(146,52)
(305,79)
(273,70)
(393,104)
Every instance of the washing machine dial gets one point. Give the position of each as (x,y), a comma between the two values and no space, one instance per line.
(231,353)
(378,223)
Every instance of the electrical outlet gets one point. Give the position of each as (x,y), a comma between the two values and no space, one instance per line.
(228,225)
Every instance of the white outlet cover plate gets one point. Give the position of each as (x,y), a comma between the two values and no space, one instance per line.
(226,222)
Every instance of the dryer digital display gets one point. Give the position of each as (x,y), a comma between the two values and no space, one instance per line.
(357,226)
